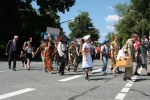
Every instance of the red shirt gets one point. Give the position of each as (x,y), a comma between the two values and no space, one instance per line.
(136,45)
(98,49)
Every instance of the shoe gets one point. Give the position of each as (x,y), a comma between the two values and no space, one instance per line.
(148,74)
(9,68)
(68,69)
(130,80)
(75,70)
(14,69)
(87,78)
(60,74)
(124,79)
(136,73)
(103,73)
(63,73)
(119,72)
(49,72)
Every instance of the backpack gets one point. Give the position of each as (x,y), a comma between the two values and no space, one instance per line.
(72,51)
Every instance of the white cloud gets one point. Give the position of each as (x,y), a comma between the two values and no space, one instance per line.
(109,7)
(111,28)
(112,18)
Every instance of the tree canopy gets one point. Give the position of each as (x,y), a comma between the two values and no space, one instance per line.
(20,18)
(135,17)
(81,26)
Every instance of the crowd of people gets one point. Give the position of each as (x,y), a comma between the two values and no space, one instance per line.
(84,51)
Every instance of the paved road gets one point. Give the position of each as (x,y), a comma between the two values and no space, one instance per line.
(38,85)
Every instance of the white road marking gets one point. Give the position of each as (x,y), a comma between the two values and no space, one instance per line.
(120,96)
(125,90)
(15,93)
(128,85)
(5,71)
(95,71)
(70,78)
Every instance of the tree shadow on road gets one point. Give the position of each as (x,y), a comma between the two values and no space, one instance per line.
(143,93)
(96,79)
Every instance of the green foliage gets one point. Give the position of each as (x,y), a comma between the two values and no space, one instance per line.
(132,21)
(96,43)
(82,27)
(18,17)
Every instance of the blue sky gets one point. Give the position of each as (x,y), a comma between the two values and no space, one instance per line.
(100,11)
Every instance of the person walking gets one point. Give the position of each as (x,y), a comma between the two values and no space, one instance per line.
(128,50)
(23,55)
(48,57)
(41,49)
(62,51)
(114,47)
(30,54)
(12,50)
(142,58)
(98,49)
(87,63)
(73,52)
(104,56)
(93,51)
(79,57)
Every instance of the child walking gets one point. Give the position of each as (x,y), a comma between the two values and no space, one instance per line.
(87,63)
(30,54)
(48,58)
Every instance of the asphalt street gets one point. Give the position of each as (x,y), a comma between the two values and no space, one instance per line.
(38,85)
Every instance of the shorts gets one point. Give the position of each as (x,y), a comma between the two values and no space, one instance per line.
(139,65)
(42,58)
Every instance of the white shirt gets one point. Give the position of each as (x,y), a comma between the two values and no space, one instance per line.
(29,50)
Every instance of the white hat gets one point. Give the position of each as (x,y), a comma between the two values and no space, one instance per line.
(86,37)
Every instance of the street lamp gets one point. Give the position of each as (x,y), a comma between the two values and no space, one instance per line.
(67,21)
(142,21)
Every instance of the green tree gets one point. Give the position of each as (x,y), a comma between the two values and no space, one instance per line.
(81,26)
(18,17)
(132,21)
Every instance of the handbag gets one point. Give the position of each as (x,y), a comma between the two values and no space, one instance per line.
(124,63)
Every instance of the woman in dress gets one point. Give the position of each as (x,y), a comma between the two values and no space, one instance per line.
(41,49)
(30,54)
(87,63)
(48,57)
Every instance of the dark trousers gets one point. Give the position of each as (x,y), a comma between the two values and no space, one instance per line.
(79,59)
(12,57)
(93,56)
(98,56)
(62,64)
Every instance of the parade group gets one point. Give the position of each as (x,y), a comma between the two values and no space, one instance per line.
(71,55)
